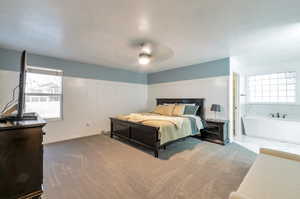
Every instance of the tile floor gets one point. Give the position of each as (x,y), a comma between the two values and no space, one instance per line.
(255,143)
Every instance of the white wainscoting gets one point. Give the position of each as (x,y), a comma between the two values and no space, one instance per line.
(87,106)
(88,103)
(215,90)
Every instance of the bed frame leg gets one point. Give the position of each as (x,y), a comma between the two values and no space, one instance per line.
(165,147)
(111,129)
(156,153)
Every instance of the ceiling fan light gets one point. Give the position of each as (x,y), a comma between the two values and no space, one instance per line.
(144,59)
(146,48)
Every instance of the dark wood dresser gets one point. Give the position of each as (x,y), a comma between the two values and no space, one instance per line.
(216,131)
(21,159)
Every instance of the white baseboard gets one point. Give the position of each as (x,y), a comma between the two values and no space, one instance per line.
(73,138)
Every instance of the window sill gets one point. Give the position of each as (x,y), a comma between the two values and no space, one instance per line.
(53,119)
(272,103)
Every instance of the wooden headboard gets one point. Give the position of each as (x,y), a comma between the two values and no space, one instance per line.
(197,101)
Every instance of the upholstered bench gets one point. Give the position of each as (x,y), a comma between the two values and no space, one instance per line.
(274,175)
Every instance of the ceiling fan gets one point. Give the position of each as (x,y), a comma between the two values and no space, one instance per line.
(144,57)
(150,52)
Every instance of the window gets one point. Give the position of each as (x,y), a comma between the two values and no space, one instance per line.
(272,88)
(43,92)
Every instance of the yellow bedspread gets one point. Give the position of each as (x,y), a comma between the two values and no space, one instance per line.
(170,127)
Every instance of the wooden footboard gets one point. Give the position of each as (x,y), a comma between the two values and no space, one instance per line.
(146,136)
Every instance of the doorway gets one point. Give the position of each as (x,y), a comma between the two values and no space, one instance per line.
(236,103)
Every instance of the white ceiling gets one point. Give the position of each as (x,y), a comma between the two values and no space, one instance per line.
(100,32)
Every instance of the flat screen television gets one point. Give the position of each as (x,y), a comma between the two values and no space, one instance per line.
(22,84)
(18,105)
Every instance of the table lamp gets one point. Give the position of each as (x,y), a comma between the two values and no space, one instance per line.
(215,108)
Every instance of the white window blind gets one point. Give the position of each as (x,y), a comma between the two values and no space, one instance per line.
(272,88)
(44,92)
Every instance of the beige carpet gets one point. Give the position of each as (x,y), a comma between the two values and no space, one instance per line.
(99,167)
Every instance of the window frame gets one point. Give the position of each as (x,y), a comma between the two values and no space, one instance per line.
(270,103)
(53,72)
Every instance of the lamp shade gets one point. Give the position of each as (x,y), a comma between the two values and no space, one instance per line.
(215,107)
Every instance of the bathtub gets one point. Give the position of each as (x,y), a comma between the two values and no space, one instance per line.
(285,130)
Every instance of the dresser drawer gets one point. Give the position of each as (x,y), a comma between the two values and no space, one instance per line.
(21,162)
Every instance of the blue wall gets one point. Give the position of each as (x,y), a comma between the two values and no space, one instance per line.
(219,67)
(10,60)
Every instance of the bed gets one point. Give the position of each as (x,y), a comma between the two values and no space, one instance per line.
(149,135)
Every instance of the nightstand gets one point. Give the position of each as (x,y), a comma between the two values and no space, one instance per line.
(216,131)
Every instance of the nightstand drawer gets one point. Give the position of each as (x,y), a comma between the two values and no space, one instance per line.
(216,131)
(213,127)
(206,131)
(211,136)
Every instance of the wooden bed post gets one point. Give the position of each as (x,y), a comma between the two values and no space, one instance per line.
(111,129)
(156,153)
(157,144)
